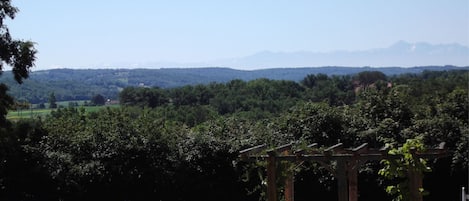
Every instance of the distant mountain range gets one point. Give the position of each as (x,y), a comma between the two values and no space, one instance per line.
(402,53)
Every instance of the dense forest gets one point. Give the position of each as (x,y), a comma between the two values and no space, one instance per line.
(73,85)
(182,143)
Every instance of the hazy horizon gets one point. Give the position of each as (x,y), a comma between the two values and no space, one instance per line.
(114,34)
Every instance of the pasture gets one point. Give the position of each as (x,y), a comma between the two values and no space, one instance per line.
(14,115)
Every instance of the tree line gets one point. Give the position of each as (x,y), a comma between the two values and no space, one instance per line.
(77,85)
(182,143)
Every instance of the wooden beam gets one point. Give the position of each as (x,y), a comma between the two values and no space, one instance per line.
(352,175)
(271,178)
(334,147)
(337,148)
(415,184)
(352,171)
(326,158)
(415,179)
(302,151)
(282,148)
(342,180)
(360,149)
(252,150)
(289,187)
(289,180)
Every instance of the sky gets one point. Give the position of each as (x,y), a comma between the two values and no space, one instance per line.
(123,33)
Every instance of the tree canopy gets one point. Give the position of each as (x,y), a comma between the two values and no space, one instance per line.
(182,143)
(17,54)
(98,99)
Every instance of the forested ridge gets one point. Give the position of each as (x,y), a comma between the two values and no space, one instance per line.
(182,143)
(82,84)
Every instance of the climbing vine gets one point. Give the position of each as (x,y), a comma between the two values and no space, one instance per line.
(399,169)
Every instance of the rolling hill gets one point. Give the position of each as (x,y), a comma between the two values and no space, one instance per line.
(70,84)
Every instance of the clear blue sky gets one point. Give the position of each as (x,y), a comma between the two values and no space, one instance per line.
(89,33)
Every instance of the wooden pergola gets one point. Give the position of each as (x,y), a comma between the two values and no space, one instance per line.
(342,162)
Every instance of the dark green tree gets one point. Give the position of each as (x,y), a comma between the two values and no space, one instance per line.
(143,97)
(309,81)
(98,100)
(17,54)
(52,101)
(315,122)
(335,90)
(41,106)
(368,78)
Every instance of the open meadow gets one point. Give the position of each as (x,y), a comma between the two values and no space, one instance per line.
(35,112)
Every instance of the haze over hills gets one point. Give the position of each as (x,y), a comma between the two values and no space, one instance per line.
(81,84)
(402,54)
(74,84)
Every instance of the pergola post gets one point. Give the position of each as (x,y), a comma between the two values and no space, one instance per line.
(353,180)
(352,171)
(415,181)
(271,178)
(415,184)
(289,181)
(289,187)
(342,180)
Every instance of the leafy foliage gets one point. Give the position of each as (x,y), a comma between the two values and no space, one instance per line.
(182,143)
(402,168)
(17,54)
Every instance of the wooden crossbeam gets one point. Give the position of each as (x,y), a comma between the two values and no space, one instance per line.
(280,149)
(360,149)
(253,150)
(334,147)
(385,148)
(302,151)
(430,154)
(336,151)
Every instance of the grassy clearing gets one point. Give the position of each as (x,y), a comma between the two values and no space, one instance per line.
(35,113)
(25,114)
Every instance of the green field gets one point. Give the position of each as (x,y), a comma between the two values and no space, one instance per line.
(24,114)
(34,113)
